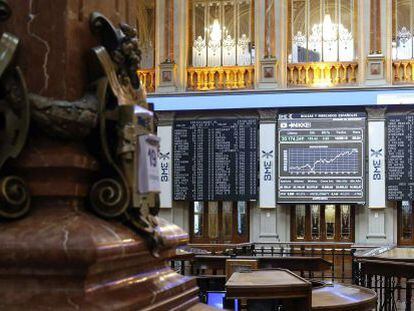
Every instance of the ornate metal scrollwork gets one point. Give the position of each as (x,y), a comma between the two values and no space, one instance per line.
(109,198)
(5,11)
(14,105)
(14,197)
(14,123)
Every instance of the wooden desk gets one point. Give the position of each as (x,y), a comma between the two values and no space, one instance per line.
(340,297)
(269,286)
(398,254)
(294,263)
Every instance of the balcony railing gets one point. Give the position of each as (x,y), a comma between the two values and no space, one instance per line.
(219,78)
(403,71)
(147,78)
(322,74)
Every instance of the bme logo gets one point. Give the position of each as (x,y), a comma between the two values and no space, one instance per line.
(165,168)
(267,155)
(267,165)
(376,153)
(376,163)
(164,156)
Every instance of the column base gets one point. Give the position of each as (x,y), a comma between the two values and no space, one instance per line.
(167,78)
(375,70)
(268,77)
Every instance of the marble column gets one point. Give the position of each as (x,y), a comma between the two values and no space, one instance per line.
(62,256)
(375,221)
(375,72)
(268,61)
(264,220)
(167,74)
(164,131)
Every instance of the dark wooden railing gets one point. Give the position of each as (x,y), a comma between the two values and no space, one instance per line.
(338,254)
(392,281)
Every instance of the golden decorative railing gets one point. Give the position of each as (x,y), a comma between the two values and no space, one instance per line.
(403,71)
(147,78)
(219,78)
(322,74)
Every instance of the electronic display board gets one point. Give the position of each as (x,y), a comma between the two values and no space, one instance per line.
(215,159)
(321,158)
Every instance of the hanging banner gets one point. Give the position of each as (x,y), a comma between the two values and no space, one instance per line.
(165,165)
(376,158)
(267,192)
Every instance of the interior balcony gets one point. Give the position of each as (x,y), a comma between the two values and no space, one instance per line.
(147,78)
(403,71)
(322,74)
(220,78)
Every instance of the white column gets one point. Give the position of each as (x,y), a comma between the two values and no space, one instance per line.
(375,224)
(376,163)
(267,171)
(264,219)
(164,131)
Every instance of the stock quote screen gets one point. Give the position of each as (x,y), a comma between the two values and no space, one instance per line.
(321,158)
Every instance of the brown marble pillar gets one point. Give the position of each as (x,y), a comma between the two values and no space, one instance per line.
(375,27)
(269,38)
(169,31)
(268,62)
(375,74)
(60,256)
(167,71)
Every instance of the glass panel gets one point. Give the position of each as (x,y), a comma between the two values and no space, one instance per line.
(315,31)
(299,29)
(198,218)
(244,18)
(199,35)
(330,31)
(229,25)
(345,222)
(229,38)
(406,221)
(227,221)
(214,29)
(244,57)
(300,212)
(222,33)
(241,218)
(330,221)
(146,32)
(316,221)
(403,45)
(346,31)
(322,30)
(199,20)
(213,229)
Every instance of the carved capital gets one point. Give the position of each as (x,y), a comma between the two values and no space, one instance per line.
(268,115)
(376,113)
(165,118)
